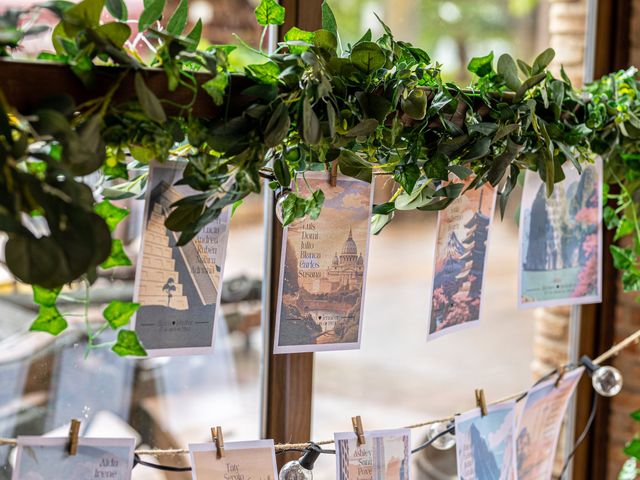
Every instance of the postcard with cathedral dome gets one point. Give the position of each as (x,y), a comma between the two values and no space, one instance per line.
(462,235)
(178,288)
(486,445)
(323,269)
(561,239)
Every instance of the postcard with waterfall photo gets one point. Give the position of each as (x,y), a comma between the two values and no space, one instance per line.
(539,425)
(485,445)
(255,460)
(324,268)
(385,454)
(47,458)
(462,236)
(178,288)
(561,239)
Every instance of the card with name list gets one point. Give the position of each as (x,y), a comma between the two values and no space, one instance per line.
(178,287)
(45,458)
(539,425)
(485,445)
(561,239)
(255,460)
(385,454)
(462,237)
(324,268)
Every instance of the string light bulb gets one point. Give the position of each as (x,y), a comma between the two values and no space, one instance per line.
(301,469)
(607,381)
(444,441)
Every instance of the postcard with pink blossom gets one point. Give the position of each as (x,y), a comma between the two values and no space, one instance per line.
(254,460)
(323,269)
(485,445)
(47,458)
(459,261)
(539,425)
(385,454)
(178,287)
(561,239)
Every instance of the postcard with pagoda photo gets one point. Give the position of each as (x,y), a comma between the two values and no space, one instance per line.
(485,445)
(385,454)
(539,425)
(252,460)
(178,288)
(561,239)
(47,458)
(460,258)
(323,269)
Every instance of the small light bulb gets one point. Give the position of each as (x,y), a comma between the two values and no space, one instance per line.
(301,469)
(444,441)
(282,196)
(607,381)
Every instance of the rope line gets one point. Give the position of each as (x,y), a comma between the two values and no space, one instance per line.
(280,447)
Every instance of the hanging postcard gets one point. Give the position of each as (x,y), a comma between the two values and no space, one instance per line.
(539,425)
(385,454)
(48,458)
(178,288)
(242,460)
(561,239)
(323,269)
(485,446)
(459,261)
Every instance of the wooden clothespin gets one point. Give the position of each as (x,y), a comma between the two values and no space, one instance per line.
(74,432)
(333,173)
(218,439)
(358,430)
(481,401)
(561,371)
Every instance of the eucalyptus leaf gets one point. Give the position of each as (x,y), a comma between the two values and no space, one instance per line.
(178,20)
(509,71)
(148,100)
(152,12)
(328,19)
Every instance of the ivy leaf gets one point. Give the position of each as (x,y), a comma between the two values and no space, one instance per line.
(117,9)
(152,11)
(269,12)
(118,257)
(407,176)
(436,167)
(364,128)
(633,448)
(367,57)
(178,20)
(328,19)
(111,214)
(542,61)
(481,66)
(128,345)
(298,35)
(49,320)
(148,100)
(635,415)
(216,87)
(352,165)
(266,73)
(118,313)
(509,71)
(631,281)
(623,258)
(45,297)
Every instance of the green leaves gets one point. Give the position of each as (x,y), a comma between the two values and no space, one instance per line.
(296,40)
(216,87)
(415,104)
(351,165)
(367,57)
(148,100)
(118,314)
(266,73)
(294,207)
(178,20)
(328,19)
(407,176)
(481,66)
(118,9)
(277,127)
(118,257)
(128,345)
(623,258)
(152,11)
(111,214)
(542,61)
(49,320)
(509,71)
(269,12)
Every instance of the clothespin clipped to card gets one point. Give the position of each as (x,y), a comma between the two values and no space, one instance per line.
(481,401)
(358,430)
(218,439)
(333,173)
(561,371)
(74,432)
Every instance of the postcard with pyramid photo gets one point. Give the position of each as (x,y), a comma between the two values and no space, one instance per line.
(539,425)
(561,239)
(178,288)
(459,261)
(323,269)
(47,458)
(485,445)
